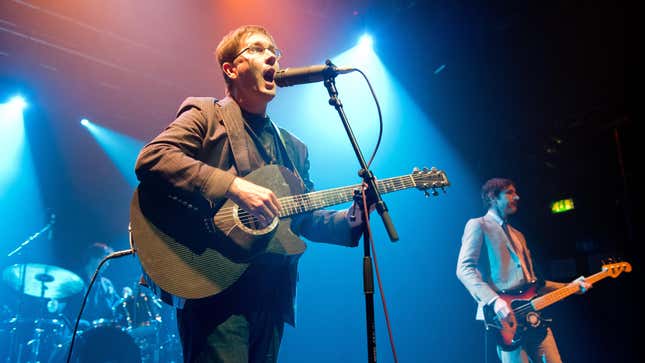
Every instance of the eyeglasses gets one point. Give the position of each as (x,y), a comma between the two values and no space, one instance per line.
(259,49)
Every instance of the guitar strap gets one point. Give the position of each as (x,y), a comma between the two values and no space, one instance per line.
(287,155)
(231,115)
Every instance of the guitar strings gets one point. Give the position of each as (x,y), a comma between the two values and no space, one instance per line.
(568,290)
(554,295)
(316,200)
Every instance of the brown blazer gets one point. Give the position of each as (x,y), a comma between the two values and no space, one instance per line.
(196,153)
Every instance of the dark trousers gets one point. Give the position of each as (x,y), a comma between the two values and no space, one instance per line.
(207,336)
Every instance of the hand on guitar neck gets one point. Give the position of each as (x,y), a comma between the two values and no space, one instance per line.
(583,285)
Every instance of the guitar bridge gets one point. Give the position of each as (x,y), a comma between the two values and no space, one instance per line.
(209,226)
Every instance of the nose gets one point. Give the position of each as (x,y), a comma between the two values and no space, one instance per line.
(271,59)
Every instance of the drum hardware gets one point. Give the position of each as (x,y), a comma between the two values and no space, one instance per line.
(32,339)
(47,340)
(141,312)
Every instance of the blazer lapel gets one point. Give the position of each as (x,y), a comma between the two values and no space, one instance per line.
(500,235)
(527,252)
(232,118)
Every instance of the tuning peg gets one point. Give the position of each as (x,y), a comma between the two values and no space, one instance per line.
(415,169)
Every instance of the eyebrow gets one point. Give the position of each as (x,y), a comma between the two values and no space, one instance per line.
(262,44)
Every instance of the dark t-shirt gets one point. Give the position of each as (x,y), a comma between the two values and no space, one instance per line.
(264,137)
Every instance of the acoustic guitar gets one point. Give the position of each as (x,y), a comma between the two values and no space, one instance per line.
(193,248)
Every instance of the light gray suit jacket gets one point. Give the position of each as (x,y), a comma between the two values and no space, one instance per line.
(488,264)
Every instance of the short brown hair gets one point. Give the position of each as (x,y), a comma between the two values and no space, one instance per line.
(230,45)
(492,188)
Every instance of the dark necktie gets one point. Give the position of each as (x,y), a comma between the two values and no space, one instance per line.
(519,250)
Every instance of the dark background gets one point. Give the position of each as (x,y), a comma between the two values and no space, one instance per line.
(535,91)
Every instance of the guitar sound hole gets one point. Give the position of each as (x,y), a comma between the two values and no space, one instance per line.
(248,220)
(252,225)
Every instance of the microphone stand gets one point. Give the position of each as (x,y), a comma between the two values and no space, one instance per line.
(23,267)
(374,195)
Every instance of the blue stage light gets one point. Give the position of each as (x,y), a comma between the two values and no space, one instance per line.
(17,103)
(365,41)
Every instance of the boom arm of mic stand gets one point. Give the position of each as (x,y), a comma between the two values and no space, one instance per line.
(22,245)
(367,176)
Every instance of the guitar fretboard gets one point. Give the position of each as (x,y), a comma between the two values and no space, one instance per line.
(296,204)
(563,292)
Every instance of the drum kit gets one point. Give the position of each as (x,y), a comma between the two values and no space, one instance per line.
(142,329)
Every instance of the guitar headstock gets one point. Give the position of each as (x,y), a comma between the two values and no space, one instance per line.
(430,180)
(615,269)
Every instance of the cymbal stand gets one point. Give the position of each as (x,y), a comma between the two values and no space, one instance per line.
(15,348)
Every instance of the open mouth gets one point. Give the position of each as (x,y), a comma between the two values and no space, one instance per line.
(269,74)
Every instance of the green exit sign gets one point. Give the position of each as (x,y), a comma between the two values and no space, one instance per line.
(563,205)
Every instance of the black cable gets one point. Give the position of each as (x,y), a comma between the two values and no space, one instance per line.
(380,117)
(87,293)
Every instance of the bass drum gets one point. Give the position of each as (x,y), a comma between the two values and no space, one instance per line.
(105,344)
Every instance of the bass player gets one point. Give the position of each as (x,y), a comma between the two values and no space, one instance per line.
(495,261)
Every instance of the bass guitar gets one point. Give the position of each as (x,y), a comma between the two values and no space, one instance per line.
(192,248)
(525,305)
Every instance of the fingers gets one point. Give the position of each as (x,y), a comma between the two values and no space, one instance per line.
(501,308)
(583,285)
(258,201)
(263,204)
(503,313)
(275,203)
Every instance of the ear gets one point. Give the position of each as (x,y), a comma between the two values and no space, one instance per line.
(490,197)
(230,70)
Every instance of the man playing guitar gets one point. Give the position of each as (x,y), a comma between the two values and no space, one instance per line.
(495,265)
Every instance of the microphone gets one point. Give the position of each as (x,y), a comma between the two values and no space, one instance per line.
(312,74)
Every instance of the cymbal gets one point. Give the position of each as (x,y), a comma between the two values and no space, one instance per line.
(40,280)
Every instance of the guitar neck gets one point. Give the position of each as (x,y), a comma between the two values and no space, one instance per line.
(564,292)
(296,204)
